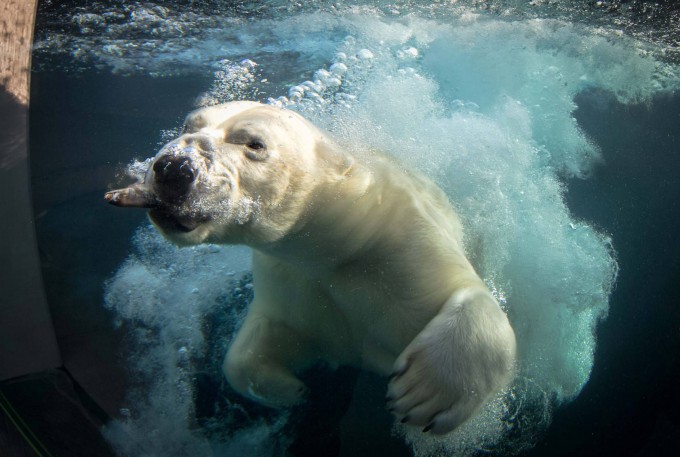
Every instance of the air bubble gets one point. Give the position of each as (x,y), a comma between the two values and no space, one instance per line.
(365,54)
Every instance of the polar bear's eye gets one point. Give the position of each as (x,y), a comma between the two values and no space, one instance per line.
(256,150)
(255,145)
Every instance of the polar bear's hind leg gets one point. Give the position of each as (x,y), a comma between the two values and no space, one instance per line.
(261,361)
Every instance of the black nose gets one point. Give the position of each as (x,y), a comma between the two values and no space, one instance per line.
(173,176)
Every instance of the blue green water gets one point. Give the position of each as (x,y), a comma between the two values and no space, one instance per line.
(553,132)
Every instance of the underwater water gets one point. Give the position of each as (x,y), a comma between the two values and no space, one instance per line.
(552,131)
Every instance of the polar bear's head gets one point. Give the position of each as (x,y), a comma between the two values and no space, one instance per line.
(241,172)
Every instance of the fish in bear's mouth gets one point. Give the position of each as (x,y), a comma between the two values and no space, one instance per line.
(174,177)
(168,217)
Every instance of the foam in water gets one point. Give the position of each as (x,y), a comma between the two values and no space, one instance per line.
(484,107)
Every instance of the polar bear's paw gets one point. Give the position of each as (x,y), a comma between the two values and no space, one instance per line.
(265,382)
(461,358)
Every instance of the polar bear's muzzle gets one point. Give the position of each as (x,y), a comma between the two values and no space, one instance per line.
(173,178)
(171,181)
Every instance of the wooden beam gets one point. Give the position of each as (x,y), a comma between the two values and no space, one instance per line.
(16,35)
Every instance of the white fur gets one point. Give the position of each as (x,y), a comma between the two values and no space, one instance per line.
(356,261)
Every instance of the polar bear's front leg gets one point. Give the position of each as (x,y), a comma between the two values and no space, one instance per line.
(461,358)
(261,360)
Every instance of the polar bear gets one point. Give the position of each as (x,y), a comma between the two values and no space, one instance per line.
(356,261)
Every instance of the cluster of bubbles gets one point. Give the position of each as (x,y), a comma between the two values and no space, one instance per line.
(231,81)
(167,296)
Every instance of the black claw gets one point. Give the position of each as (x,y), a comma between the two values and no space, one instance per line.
(405,419)
(388,399)
(428,427)
(396,374)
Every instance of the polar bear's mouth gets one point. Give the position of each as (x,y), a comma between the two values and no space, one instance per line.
(169,218)
(170,222)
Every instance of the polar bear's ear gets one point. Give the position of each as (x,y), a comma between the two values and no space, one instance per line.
(194,121)
(333,156)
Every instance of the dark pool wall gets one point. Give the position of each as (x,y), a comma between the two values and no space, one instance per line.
(84,128)
(630,404)
(26,335)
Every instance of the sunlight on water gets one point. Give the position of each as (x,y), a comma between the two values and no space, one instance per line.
(483,107)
